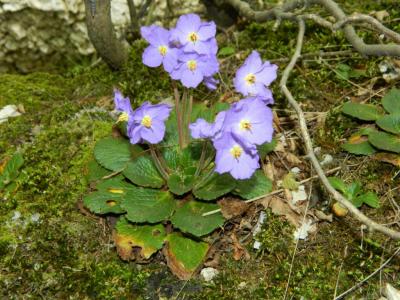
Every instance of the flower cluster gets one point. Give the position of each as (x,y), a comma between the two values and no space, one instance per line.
(237,132)
(146,123)
(187,52)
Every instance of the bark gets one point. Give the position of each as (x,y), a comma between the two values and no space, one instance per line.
(102,35)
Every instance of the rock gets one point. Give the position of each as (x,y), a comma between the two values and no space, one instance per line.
(33,31)
(208,273)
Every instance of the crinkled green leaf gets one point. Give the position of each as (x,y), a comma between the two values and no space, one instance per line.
(385,141)
(113,153)
(103,202)
(188,218)
(363,148)
(95,171)
(353,189)
(256,186)
(364,112)
(391,101)
(338,184)
(148,205)
(184,255)
(149,238)
(390,123)
(266,148)
(142,171)
(370,198)
(215,186)
(180,183)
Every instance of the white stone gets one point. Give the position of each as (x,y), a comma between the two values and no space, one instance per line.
(208,274)
(299,195)
(8,111)
(302,232)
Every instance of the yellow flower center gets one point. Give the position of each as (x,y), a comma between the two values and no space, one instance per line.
(123,117)
(236,151)
(192,65)
(250,79)
(162,50)
(245,125)
(193,37)
(146,121)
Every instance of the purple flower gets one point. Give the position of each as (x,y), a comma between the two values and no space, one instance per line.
(192,68)
(160,51)
(210,82)
(148,123)
(254,75)
(194,35)
(123,105)
(232,157)
(201,129)
(250,120)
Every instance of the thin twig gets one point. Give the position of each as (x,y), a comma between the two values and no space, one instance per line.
(309,146)
(297,244)
(361,18)
(368,277)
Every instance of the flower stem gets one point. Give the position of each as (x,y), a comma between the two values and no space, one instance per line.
(200,166)
(189,108)
(161,167)
(178,116)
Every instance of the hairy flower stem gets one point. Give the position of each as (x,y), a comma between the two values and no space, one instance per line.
(184,104)
(189,114)
(178,116)
(160,165)
(200,166)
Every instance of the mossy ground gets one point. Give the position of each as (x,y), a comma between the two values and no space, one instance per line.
(66,254)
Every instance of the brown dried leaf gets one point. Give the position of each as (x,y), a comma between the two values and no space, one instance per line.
(231,208)
(293,159)
(390,158)
(238,250)
(281,208)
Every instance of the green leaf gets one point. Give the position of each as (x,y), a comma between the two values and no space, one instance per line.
(390,123)
(113,153)
(115,185)
(10,171)
(184,256)
(149,238)
(371,199)
(385,141)
(363,148)
(103,202)
(181,183)
(345,72)
(226,51)
(357,201)
(188,218)
(364,112)
(353,190)
(338,184)
(95,171)
(391,101)
(148,205)
(266,148)
(143,172)
(215,186)
(256,186)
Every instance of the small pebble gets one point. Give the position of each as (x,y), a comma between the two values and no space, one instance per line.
(208,273)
